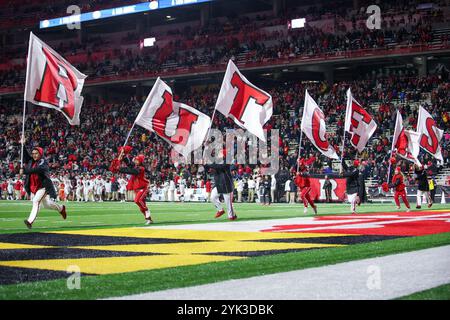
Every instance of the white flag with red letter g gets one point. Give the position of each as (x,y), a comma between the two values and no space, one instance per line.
(52,82)
(249,106)
(182,126)
(430,134)
(358,122)
(313,125)
(406,142)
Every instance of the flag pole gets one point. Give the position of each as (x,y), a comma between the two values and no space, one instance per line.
(129,133)
(30,43)
(342,151)
(299,147)
(209,130)
(392,148)
(22,140)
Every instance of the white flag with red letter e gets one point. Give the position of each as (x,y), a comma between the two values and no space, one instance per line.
(313,125)
(358,122)
(249,106)
(182,126)
(52,82)
(430,134)
(406,142)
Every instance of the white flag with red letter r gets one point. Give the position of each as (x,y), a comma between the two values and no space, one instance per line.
(358,122)
(182,126)
(430,134)
(249,106)
(313,125)
(52,82)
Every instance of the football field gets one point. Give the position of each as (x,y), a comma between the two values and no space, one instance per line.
(104,250)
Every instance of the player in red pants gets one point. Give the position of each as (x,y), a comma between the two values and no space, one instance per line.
(137,182)
(399,185)
(304,185)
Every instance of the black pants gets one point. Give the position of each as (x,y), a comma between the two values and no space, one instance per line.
(266,196)
(328,195)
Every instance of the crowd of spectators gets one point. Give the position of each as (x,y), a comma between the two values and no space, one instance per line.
(212,45)
(90,147)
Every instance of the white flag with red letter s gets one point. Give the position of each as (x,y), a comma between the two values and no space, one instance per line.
(52,82)
(313,125)
(358,122)
(430,134)
(182,126)
(249,106)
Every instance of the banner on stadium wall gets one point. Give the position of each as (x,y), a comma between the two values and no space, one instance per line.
(338,188)
(190,195)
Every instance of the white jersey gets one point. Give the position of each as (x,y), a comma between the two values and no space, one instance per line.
(172,185)
(10,186)
(108,187)
(273,183)
(240,185)
(251,184)
(122,185)
(85,183)
(79,185)
(99,183)
(182,185)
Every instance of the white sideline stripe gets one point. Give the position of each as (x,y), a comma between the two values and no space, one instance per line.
(400,275)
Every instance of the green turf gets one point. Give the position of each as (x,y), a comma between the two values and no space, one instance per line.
(101,215)
(438,293)
(95,287)
(112,214)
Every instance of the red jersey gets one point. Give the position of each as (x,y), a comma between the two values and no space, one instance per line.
(208,186)
(18,186)
(35,182)
(138,181)
(302,181)
(398,178)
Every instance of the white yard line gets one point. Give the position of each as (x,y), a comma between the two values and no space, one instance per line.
(385,277)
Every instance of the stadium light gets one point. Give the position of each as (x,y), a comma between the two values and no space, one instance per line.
(149,42)
(298,23)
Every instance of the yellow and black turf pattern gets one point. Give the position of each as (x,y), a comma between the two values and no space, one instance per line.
(39,256)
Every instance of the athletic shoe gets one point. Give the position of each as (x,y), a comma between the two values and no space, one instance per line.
(63,213)
(148,221)
(315,210)
(305,211)
(233,218)
(353,212)
(220,213)
(429,205)
(408,210)
(398,207)
(418,207)
(27,224)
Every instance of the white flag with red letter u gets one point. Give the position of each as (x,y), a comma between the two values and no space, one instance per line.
(52,82)
(249,106)
(430,134)
(358,122)
(406,142)
(182,126)
(313,125)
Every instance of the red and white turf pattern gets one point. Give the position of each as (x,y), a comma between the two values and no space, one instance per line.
(384,223)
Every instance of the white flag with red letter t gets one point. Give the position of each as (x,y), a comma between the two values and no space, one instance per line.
(430,134)
(249,106)
(182,126)
(52,82)
(313,125)
(358,122)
